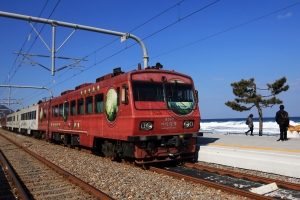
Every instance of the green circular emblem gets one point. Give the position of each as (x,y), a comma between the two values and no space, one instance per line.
(111,106)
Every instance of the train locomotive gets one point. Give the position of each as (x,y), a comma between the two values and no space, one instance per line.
(146,115)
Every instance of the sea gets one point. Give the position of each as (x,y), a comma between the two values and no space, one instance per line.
(238,126)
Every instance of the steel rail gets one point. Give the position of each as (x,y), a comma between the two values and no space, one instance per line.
(211,184)
(246,176)
(20,191)
(66,174)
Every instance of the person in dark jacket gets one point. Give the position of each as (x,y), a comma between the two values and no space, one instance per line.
(250,125)
(282,119)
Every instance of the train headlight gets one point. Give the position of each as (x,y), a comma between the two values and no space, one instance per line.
(146,126)
(188,124)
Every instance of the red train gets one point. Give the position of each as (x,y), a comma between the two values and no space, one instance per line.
(149,115)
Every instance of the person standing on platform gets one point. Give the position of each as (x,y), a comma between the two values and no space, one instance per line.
(283,120)
(249,122)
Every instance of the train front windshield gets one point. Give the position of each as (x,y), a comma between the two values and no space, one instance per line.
(178,96)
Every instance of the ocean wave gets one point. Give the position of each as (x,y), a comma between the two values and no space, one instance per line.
(239,127)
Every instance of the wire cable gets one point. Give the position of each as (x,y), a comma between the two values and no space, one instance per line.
(32,43)
(129,31)
(24,44)
(210,36)
(226,30)
(34,40)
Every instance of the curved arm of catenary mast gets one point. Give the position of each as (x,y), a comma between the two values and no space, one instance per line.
(145,57)
(51,95)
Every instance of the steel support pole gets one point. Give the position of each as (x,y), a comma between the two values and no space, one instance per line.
(53,48)
(8,96)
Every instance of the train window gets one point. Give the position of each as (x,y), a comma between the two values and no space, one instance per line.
(17,117)
(178,92)
(80,106)
(44,113)
(89,105)
(66,109)
(61,109)
(147,91)
(99,103)
(73,108)
(14,118)
(55,111)
(34,114)
(124,94)
(118,96)
(180,97)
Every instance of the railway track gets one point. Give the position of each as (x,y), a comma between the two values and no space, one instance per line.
(236,191)
(210,184)
(279,183)
(10,187)
(232,182)
(43,180)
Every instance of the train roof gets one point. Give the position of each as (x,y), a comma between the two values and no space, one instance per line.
(123,75)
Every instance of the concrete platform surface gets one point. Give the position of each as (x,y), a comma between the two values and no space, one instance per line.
(252,152)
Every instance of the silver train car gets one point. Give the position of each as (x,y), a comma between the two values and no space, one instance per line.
(23,121)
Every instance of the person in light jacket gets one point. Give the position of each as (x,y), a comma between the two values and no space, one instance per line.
(250,125)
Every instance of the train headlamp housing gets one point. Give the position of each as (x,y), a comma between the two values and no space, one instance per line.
(188,124)
(147,126)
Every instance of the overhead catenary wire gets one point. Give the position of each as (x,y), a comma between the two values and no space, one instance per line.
(191,43)
(139,26)
(210,36)
(23,45)
(36,38)
(118,39)
(116,53)
(33,42)
(226,30)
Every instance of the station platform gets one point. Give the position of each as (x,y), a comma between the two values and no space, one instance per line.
(261,153)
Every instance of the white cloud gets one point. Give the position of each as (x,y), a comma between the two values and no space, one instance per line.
(289,14)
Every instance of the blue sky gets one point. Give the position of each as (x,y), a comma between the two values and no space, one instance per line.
(216,45)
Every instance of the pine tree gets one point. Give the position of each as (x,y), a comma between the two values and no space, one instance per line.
(246,92)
